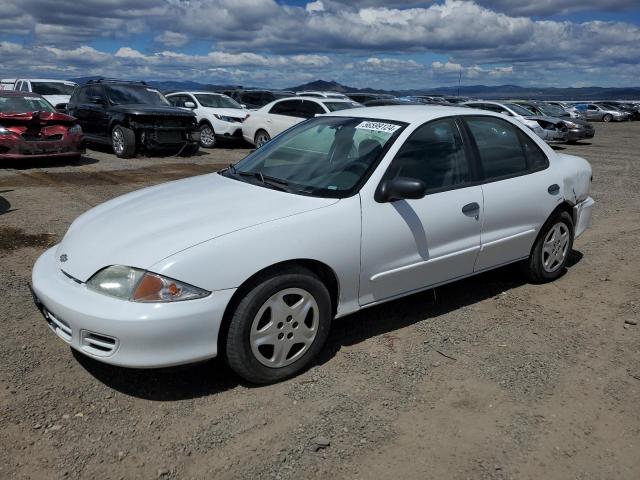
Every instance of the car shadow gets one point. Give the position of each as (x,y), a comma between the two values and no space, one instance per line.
(213,376)
(5,205)
(160,153)
(48,163)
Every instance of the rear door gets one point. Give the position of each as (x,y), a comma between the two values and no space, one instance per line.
(283,115)
(518,189)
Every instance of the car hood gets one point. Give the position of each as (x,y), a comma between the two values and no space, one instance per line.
(56,99)
(143,227)
(37,118)
(142,109)
(227,112)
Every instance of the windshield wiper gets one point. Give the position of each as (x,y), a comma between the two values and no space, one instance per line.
(273,182)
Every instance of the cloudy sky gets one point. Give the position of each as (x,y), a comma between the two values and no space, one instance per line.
(384,44)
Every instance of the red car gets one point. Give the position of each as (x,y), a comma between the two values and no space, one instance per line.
(31,128)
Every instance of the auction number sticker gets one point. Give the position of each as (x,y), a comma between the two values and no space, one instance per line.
(378,127)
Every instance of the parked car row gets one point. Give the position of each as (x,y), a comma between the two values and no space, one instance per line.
(134,117)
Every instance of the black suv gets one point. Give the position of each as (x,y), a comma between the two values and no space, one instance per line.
(131,117)
(257,98)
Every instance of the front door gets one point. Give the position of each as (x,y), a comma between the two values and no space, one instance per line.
(409,245)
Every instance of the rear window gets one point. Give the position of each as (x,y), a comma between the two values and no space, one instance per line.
(335,106)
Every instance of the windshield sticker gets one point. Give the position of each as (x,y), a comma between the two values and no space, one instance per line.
(378,127)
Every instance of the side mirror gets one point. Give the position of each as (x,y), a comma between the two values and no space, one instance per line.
(61,107)
(96,100)
(189,105)
(400,188)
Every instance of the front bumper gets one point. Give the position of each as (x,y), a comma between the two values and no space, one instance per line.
(580,133)
(15,148)
(228,130)
(128,334)
(582,216)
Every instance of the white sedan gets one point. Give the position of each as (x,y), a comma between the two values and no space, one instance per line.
(274,118)
(339,213)
(219,116)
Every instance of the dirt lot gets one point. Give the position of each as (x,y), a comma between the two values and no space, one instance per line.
(488,378)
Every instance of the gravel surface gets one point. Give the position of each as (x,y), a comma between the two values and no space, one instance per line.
(489,378)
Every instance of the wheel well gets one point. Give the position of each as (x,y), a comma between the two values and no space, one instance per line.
(203,121)
(323,271)
(563,207)
(255,135)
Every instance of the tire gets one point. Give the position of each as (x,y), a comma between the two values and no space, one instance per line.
(607,118)
(123,141)
(260,345)
(207,136)
(261,138)
(551,251)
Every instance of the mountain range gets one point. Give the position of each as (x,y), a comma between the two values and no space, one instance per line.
(475,91)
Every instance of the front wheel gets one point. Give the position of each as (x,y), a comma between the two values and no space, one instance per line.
(607,118)
(279,327)
(552,249)
(123,141)
(262,137)
(207,136)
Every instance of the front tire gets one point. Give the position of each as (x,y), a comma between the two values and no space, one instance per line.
(607,118)
(207,136)
(552,249)
(279,327)
(123,141)
(261,138)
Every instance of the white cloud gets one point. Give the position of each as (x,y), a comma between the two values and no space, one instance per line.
(172,39)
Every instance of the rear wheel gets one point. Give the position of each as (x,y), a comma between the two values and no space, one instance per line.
(261,138)
(123,141)
(207,136)
(552,249)
(607,118)
(279,327)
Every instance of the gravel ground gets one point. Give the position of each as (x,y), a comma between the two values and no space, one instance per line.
(489,378)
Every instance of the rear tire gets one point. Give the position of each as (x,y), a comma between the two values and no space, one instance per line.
(123,141)
(279,327)
(261,138)
(607,118)
(552,249)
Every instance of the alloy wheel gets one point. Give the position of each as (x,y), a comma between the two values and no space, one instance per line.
(555,247)
(117,140)
(284,327)
(207,137)
(261,139)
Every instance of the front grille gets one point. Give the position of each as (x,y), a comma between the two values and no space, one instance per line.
(97,343)
(168,136)
(59,326)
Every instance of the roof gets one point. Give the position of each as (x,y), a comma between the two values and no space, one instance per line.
(408,113)
(51,80)
(197,92)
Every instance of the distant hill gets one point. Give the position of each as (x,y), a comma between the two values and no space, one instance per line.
(488,92)
(476,91)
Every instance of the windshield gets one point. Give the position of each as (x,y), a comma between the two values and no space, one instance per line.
(552,110)
(132,94)
(52,88)
(217,101)
(518,109)
(335,106)
(24,104)
(324,156)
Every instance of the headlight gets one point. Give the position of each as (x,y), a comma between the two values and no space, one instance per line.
(76,130)
(225,118)
(570,124)
(4,131)
(137,285)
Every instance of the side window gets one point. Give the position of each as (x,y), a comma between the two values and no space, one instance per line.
(498,142)
(289,108)
(592,107)
(80,96)
(310,109)
(252,98)
(178,100)
(93,91)
(24,87)
(434,153)
(536,158)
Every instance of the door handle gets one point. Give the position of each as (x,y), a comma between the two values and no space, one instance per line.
(472,210)
(554,189)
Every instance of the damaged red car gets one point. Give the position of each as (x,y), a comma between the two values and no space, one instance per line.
(30,127)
